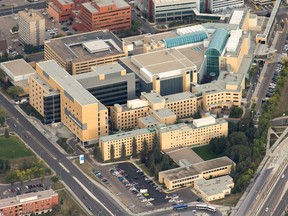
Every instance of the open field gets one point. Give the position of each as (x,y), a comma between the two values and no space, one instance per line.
(13,147)
(204,152)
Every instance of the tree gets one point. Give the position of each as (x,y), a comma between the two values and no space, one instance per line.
(157,149)
(218,145)
(3,76)
(165,164)
(123,151)
(11,177)
(6,133)
(240,153)
(238,138)
(55,179)
(197,115)
(235,112)
(97,153)
(15,91)
(145,147)
(29,48)
(134,147)
(112,153)
(2,117)
(15,28)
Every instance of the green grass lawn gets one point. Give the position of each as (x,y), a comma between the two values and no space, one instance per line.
(204,152)
(13,147)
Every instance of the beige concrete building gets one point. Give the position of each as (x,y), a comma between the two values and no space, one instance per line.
(199,133)
(177,135)
(182,104)
(214,189)
(79,53)
(18,72)
(31,27)
(118,139)
(79,110)
(187,175)
(225,92)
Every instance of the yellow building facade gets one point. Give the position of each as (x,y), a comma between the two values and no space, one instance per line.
(80,111)
(187,175)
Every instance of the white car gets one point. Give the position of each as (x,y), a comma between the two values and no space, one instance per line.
(267,209)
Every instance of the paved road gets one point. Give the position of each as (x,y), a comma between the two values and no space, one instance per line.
(145,26)
(277,193)
(53,157)
(270,70)
(252,196)
(11,10)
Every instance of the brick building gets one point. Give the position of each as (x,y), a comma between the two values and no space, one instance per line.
(39,202)
(109,14)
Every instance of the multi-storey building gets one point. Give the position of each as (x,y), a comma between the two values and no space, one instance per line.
(200,132)
(25,204)
(164,11)
(125,116)
(262,2)
(220,5)
(187,175)
(108,14)
(79,110)
(79,53)
(31,28)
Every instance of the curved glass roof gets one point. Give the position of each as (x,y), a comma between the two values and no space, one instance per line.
(219,40)
(185,39)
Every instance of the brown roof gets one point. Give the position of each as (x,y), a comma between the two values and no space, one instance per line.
(3,45)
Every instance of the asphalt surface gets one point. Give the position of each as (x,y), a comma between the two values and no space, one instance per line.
(252,196)
(146,28)
(11,10)
(275,208)
(270,70)
(53,157)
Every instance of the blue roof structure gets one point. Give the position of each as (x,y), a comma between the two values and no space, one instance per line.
(219,40)
(185,39)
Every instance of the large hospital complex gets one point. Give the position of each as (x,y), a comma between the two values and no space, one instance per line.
(111,92)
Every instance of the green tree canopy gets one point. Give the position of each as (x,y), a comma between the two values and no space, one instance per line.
(15,91)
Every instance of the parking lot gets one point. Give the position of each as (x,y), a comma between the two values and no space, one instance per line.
(27,187)
(137,191)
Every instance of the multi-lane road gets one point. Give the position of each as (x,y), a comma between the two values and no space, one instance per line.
(96,199)
(11,9)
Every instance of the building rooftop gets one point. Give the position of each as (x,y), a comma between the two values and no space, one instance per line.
(118,3)
(18,67)
(164,113)
(107,68)
(149,120)
(45,85)
(64,2)
(195,53)
(213,26)
(163,63)
(184,126)
(179,96)
(153,97)
(169,1)
(26,198)
(31,15)
(127,134)
(86,46)
(218,41)
(215,186)
(73,89)
(196,168)
(179,154)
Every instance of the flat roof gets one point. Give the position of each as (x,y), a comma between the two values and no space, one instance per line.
(118,3)
(179,96)
(164,113)
(180,154)
(163,63)
(215,185)
(64,2)
(31,15)
(73,88)
(196,168)
(26,198)
(18,67)
(44,85)
(127,134)
(184,126)
(70,48)
(107,68)
(195,53)
(153,97)
(149,120)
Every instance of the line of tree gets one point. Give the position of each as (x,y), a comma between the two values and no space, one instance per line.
(2,117)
